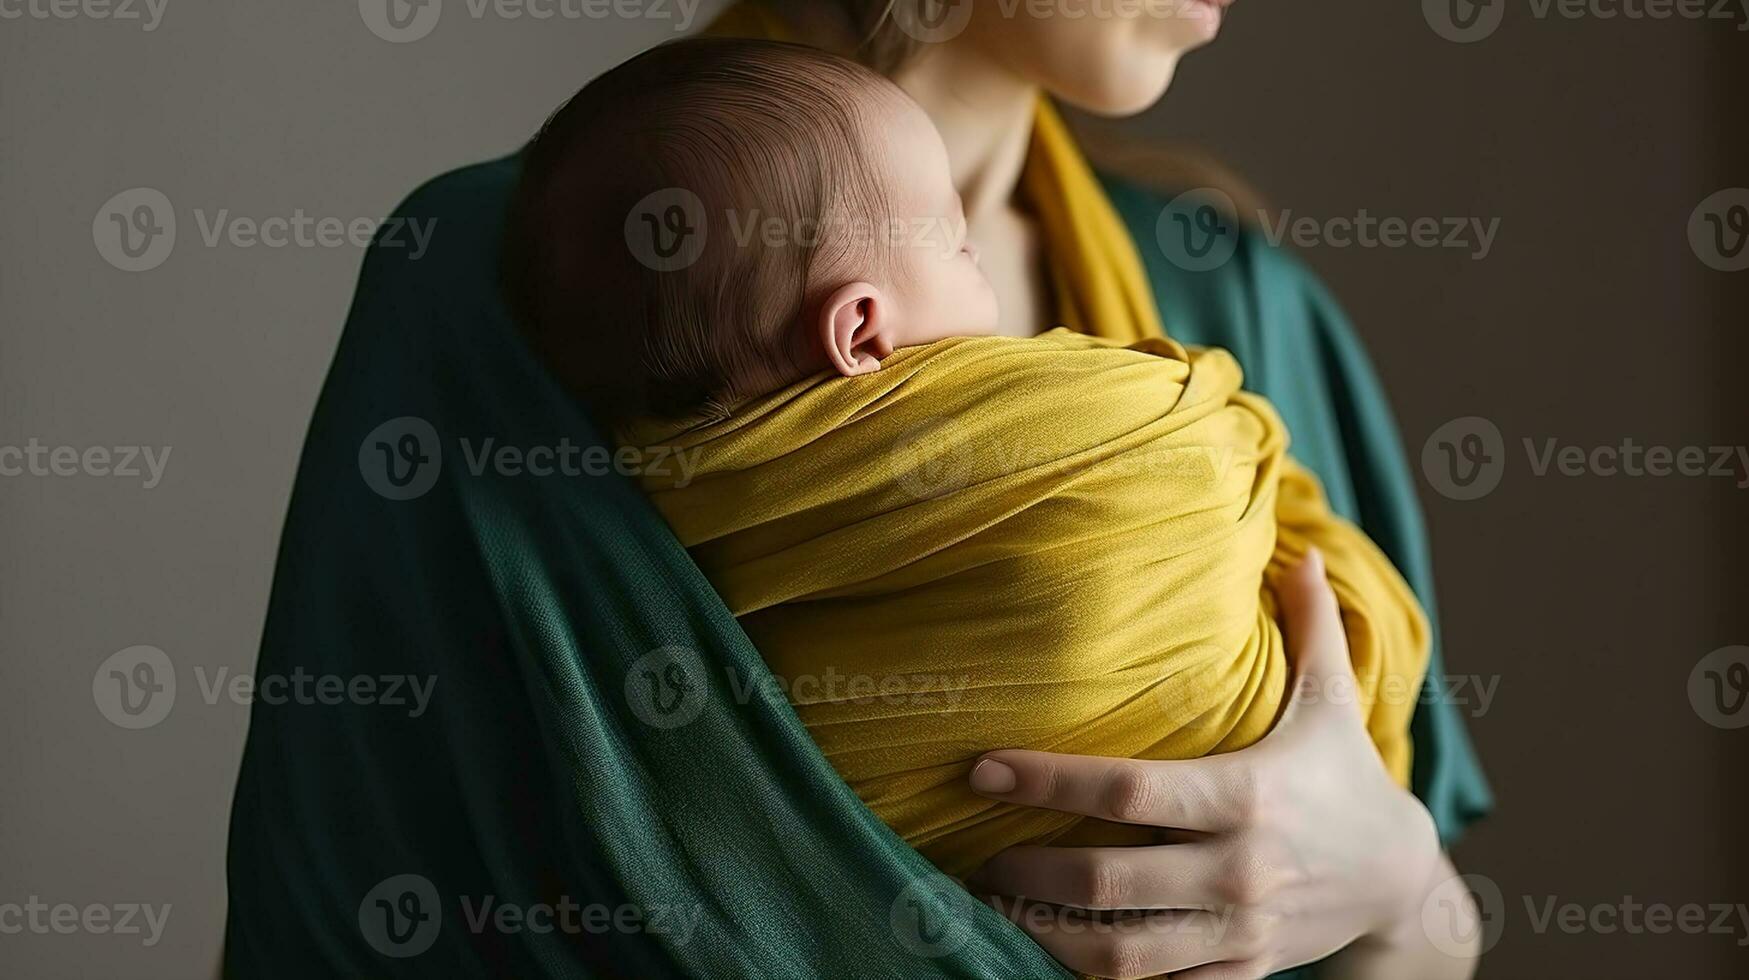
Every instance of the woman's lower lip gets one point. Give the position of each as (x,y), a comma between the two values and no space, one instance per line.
(1213,11)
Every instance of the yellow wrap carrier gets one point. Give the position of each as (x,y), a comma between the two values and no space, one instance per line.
(1056,543)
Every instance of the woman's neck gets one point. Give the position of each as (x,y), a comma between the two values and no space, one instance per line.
(984,112)
(985,115)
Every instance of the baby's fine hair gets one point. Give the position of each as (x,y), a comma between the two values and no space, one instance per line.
(758,154)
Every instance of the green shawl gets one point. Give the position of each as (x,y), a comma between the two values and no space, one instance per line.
(587,793)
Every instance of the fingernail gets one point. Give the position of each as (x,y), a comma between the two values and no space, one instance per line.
(1314,559)
(990,776)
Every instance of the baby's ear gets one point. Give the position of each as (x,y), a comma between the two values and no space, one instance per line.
(854,328)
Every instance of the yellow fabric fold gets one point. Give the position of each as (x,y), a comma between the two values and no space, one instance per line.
(1101,286)
(1055,543)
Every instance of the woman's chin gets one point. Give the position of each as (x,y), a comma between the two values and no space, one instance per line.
(1136,92)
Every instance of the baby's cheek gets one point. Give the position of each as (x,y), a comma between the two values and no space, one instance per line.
(988,307)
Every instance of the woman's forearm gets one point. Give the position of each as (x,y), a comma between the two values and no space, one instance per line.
(1441,944)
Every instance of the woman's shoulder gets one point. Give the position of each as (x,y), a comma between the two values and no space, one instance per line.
(1212,231)
(480,189)
(458,217)
(1219,279)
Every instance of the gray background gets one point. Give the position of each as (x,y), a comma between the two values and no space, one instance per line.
(1589,599)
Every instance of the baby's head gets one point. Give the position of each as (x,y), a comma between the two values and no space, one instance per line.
(716,218)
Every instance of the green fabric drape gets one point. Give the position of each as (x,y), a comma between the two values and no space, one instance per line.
(603,752)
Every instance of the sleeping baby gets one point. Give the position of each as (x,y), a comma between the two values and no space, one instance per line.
(943,541)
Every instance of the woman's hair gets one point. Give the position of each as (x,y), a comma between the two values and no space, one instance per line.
(677,215)
(880,43)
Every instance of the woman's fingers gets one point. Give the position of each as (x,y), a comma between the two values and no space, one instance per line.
(1209,794)
(1147,945)
(1183,876)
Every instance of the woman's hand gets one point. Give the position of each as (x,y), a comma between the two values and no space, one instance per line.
(1280,854)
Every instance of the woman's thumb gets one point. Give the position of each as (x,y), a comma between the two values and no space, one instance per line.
(1312,621)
